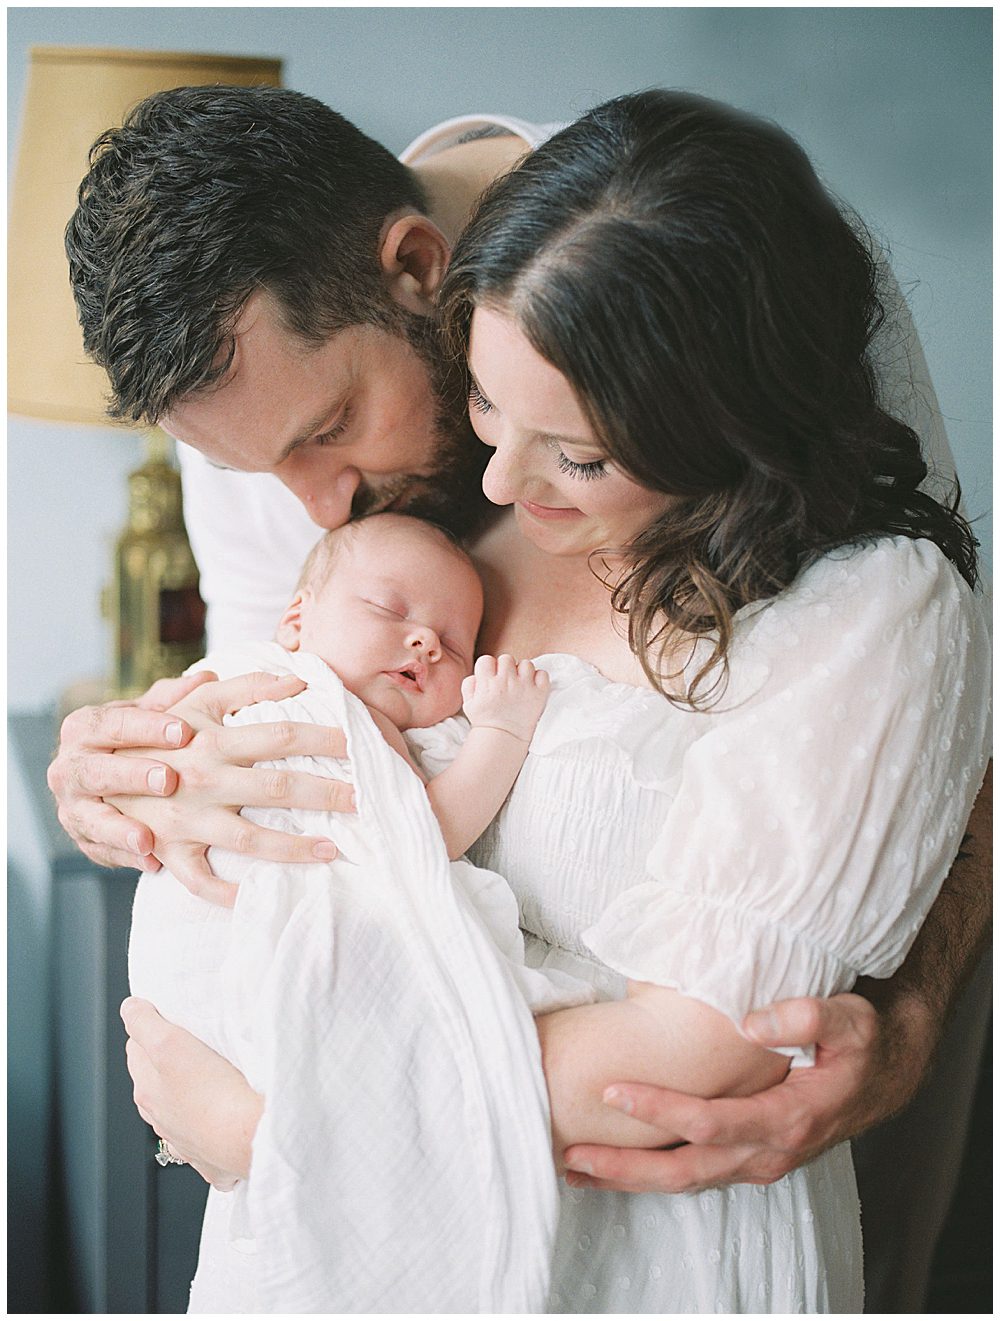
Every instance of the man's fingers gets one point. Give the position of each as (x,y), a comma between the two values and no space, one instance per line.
(103,775)
(260,787)
(684,1170)
(225,696)
(843,1021)
(114,726)
(271,742)
(108,837)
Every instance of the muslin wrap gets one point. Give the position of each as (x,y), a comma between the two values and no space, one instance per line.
(381,1005)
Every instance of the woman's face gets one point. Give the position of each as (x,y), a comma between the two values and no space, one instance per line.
(547,463)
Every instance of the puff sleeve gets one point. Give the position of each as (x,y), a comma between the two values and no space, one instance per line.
(819,811)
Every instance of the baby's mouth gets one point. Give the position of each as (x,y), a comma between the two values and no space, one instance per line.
(410,677)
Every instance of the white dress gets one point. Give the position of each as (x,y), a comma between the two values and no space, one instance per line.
(784,844)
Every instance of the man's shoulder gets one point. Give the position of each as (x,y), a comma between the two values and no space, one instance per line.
(467,128)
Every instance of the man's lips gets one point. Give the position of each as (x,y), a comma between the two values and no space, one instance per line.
(410,676)
(548,512)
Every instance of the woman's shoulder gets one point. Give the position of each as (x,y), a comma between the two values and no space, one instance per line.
(884,577)
(894,597)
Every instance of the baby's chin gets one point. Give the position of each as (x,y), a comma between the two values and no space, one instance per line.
(408,710)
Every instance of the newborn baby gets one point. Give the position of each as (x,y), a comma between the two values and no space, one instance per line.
(380,1002)
(391,607)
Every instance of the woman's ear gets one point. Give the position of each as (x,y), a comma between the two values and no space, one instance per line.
(413,254)
(289,630)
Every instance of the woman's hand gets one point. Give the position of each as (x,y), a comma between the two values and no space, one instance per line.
(205,782)
(191,1097)
(862,1076)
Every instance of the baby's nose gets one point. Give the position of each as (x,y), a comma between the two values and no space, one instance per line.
(425,640)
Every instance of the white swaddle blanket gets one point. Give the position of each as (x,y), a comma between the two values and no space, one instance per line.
(382,1006)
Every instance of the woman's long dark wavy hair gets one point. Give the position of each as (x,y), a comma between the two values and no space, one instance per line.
(713,310)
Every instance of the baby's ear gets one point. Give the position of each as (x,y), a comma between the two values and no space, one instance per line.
(289,629)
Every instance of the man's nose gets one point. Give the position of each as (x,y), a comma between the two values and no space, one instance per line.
(424,640)
(326,494)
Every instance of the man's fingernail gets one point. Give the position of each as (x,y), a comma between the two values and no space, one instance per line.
(759,1026)
(133,841)
(620,1100)
(174,732)
(157,779)
(580,1167)
(325,851)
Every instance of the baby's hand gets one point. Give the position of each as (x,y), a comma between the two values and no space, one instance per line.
(505,694)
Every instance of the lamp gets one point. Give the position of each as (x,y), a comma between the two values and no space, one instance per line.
(74,94)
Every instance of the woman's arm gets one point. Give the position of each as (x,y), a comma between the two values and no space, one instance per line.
(208,1113)
(873,1051)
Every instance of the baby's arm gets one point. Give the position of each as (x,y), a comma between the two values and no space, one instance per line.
(503,700)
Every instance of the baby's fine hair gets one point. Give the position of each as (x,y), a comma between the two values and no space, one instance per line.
(322,559)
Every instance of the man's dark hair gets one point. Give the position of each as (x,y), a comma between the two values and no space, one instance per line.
(206,195)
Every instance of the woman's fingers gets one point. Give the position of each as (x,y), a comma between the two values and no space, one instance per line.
(260,787)
(211,701)
(189,864)
(165,692)
(246,744)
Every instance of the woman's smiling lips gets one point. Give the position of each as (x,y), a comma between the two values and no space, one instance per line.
(559,514)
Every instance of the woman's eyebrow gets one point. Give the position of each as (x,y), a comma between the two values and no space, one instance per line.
(583,442)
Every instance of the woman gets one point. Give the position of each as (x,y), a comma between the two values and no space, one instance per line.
(767,723)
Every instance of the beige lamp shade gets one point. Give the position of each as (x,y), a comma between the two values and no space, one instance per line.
(74,94)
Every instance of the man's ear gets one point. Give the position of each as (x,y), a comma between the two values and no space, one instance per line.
(289,630)
(413,254)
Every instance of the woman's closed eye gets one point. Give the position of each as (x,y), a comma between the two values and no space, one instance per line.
(478,400)
(585,471)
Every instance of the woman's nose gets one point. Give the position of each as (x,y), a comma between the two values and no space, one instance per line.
(502,478)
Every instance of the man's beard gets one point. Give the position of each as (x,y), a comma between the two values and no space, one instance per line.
(451,495)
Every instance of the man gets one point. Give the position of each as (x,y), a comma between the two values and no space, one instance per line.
(258,276)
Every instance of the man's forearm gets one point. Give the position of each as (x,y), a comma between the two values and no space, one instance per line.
(916,1002)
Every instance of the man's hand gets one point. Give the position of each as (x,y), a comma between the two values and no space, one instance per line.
(191,1097)
(206,780)
(84,770)
(862,1075)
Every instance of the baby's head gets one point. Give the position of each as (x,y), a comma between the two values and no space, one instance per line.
(393,606)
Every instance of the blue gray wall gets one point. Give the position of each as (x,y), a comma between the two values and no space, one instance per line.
(893,104)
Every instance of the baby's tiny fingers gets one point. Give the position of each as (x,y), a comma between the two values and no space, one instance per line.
(541,679)
(506,666)
(468,687)
(485,667)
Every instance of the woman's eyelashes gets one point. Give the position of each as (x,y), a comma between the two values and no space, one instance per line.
(585,471)
(478,400)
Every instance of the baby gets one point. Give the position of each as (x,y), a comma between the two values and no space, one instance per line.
(380,1002)
(393,606)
